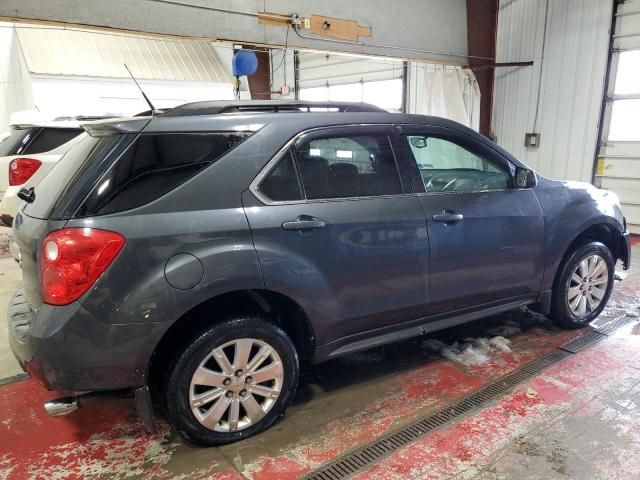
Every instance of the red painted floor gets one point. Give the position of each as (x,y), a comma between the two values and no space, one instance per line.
(579,419)
(107,440)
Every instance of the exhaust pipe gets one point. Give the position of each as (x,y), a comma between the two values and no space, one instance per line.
(66,405)
(61,406)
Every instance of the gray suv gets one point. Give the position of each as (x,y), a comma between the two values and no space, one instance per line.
(200,256)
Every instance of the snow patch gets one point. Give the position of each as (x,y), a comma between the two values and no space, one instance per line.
(472,351)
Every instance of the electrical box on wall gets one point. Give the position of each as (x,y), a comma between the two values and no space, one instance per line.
(531,139)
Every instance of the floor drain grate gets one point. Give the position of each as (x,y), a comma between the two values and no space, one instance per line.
(613,325)
(367,456)
(583,341)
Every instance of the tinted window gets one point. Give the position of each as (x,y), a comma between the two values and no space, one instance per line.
(154,165)
(281,184)
(448,167)
(10,144)
(50,138)
(348,166)
(52,185)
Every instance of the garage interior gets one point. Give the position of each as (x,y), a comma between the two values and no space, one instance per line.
(554,82)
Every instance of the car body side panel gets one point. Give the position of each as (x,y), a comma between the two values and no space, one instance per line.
(496,252)
(569,209)
(367,268)
(135,290)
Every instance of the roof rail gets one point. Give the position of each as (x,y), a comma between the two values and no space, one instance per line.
(221,106)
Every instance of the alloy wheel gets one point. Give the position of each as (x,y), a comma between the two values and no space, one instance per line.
(236,385)
(587,285)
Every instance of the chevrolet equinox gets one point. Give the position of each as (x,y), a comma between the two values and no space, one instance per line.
(199,256)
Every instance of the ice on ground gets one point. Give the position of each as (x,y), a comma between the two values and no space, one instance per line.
(473,351)
(500,343)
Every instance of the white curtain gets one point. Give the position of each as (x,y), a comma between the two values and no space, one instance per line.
(452,94)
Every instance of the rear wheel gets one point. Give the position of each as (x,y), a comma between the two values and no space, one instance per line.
(232,381)
(583,285)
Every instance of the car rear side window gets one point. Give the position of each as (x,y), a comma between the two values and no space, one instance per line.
(281,183)
(50,138)
(10,144)
(65,172)
(340,166)
(153,165)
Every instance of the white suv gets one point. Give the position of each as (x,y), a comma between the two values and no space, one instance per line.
(27,153)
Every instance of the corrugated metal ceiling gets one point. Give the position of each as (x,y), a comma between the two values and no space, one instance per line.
(58,51)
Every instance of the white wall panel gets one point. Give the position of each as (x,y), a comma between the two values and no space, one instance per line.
(570,81)
(68,96)
(15,85)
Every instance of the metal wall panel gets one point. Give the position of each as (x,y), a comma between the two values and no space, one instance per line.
(56,51)
(560,96)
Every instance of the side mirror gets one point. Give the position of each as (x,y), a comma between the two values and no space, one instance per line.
(525,178)
(418,142)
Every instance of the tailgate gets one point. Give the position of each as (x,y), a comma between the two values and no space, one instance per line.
(28,233)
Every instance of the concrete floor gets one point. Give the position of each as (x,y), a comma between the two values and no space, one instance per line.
(578,419)
(10,279)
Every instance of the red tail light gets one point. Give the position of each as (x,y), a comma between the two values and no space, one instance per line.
(72,259)
(22,169)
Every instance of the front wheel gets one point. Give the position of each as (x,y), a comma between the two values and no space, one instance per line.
(232,381)
(583,285)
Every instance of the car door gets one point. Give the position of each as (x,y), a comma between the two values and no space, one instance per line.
(338,231)
(486,236)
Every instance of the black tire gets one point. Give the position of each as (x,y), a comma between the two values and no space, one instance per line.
(560,311)
(177,385)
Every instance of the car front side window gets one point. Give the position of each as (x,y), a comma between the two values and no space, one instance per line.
(446,166)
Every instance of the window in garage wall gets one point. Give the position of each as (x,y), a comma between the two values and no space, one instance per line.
(625,110)
(386,94)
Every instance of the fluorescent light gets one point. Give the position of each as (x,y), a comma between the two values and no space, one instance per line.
(344,154)
(314,152)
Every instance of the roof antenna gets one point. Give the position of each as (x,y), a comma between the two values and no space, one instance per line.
(153,109)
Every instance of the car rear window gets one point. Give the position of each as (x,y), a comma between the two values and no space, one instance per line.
(10,144)
(66,169)
(153,165)
(50,138)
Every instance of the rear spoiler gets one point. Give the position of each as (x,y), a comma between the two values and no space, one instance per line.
(106,128)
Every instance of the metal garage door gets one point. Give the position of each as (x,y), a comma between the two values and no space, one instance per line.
(618,166)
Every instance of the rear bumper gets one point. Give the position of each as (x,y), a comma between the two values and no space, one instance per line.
(69,349)
(625,250)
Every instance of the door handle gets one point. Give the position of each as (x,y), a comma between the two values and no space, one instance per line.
(303,222)
(448,216)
